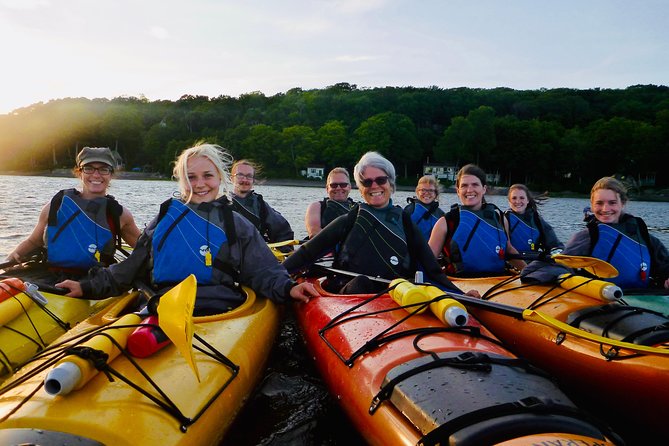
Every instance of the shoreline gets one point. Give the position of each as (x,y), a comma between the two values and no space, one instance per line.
(662,196)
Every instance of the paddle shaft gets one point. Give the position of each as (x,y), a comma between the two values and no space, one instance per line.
(528,316)
(503,309)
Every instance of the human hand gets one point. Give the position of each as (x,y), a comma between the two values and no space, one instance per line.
(73,286)
(473,293)
(303,292)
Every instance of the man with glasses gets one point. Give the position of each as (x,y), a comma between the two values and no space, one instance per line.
(424,207)
(82,229)
(270,223)
(320,213)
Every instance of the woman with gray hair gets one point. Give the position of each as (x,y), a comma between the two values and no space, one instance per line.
(374,239)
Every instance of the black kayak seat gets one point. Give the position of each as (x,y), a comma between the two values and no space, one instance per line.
(485,399)
(623,323)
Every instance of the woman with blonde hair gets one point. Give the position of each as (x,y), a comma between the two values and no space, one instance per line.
(621,239)
(199,234)
(424,207)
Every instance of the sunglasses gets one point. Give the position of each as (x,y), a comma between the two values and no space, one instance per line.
(367,182)
(336,185)
(88,170)
(241,176)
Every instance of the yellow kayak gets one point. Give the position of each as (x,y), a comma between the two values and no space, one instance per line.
(157,400)
(28,325)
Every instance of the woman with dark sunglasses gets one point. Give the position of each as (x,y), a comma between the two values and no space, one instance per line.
(82,228)
(320,213)
(374,239)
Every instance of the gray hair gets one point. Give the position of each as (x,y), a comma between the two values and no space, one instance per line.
(374,159)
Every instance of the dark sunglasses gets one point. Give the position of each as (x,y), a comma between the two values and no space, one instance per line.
(367,182)
(336,185)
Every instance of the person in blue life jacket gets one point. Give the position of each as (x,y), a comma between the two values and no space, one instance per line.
(270,223)
(199,233)
(374,239)
(424,207)
(82,228)
(621,239)
(472,238)
(320,213)
(528,230)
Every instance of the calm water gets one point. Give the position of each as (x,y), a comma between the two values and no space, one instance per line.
(291,405)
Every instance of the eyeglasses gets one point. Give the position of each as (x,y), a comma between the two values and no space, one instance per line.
(336,185)
(241,176)
(367,182)
(427,191)
(88,170)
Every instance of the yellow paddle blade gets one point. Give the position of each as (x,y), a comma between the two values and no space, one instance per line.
(175,318)
(597,267)
(280,255)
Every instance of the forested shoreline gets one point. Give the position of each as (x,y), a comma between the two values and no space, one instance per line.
(551,139)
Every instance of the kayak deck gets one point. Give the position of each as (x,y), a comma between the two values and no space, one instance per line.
(402,378)
(586,356)
(203,411)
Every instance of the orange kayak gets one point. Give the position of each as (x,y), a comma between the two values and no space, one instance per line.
(600,350)
(406,379)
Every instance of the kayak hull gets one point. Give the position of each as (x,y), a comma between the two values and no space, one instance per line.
(627,385)
(405,418)
(244,335)
(37,326)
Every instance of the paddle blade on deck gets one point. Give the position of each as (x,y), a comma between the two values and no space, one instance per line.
(597,267)
(175,318)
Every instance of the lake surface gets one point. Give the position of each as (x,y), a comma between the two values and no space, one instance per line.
(21,199)
(291,406)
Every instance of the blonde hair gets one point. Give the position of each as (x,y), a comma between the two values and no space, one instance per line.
(613,184)
(335,171)
(431,181)
(218,155)
(257,169)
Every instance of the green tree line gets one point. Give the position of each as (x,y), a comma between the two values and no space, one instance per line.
(555,139)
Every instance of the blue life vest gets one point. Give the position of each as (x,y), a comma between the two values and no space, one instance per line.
(425,216)
(186,242)
(476,242)
(525,233)
(623,246)
(78,233)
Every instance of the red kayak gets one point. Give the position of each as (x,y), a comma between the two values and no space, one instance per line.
(406,378)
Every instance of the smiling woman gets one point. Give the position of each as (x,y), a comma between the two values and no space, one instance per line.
(374,239)
(75,225)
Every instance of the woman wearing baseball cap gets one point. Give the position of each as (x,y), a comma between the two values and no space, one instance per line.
(82,228)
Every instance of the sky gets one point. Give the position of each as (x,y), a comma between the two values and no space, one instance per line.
(163,49)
